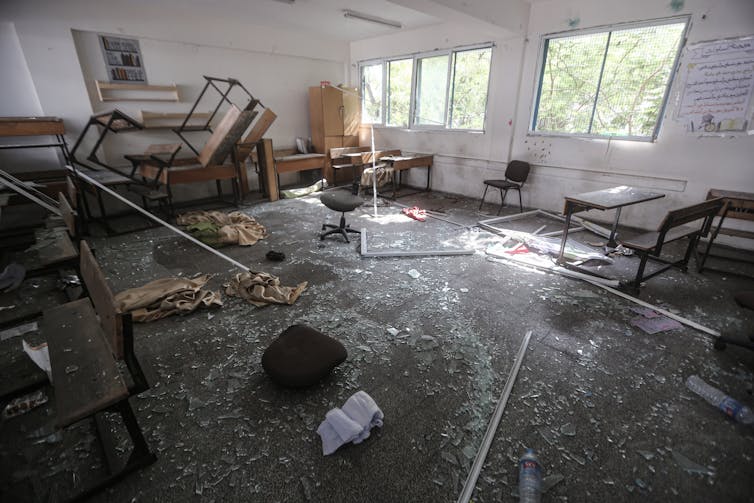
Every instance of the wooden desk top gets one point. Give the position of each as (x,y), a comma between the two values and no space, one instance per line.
(737,204)
(730,194)
(31,126)
(615,197)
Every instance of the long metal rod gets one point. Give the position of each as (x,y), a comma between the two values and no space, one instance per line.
(476,468)
(161,222)
(4,175)
(17,188)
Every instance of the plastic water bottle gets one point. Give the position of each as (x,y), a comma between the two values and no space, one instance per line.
(529,478)
(730,406)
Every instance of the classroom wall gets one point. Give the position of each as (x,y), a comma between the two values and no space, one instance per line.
(59,44)
(683,166)
(15,80)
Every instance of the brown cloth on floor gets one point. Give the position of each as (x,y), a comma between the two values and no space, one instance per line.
(235,228)
(166,296)
(260,289)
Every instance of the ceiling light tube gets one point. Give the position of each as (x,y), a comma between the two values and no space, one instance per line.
(372,19)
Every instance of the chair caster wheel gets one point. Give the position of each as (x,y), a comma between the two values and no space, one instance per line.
(720,345)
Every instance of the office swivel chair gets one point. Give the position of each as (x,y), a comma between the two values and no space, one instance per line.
(343,202)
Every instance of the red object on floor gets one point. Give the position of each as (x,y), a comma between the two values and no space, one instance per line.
(416,213)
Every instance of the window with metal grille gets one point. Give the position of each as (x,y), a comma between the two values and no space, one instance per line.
(608,83)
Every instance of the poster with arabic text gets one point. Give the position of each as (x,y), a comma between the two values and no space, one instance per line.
(718,89)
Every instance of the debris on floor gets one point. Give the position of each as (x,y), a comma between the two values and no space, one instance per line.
(18,330)
(416,213)
(652,322)
(12,277)
(24,404)
(40,355)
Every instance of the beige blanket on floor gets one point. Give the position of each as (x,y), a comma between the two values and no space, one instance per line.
(260,289)
(165,297)
(235,228)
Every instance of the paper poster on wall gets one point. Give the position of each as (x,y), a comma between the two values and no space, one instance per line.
(718,87)
(123,59)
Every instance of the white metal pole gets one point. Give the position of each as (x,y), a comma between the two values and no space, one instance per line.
(476,468)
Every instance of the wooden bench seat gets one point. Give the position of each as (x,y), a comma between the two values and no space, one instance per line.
(648,240)
(86,338)
(84,372)
(673,227)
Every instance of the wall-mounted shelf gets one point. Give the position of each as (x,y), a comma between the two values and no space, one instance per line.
(170,120)
(113,91)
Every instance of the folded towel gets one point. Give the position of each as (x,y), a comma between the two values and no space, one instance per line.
(337,429)
(364,411)
(352,423)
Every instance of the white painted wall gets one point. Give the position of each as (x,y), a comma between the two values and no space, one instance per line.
(15,80)
(681,165)
(277,66)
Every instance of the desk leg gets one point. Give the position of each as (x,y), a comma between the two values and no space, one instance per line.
(569,211)
(611,241)
(713,236)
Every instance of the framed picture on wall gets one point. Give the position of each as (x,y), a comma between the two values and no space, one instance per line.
(123,59)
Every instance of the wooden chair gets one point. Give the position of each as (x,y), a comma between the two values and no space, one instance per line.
(85,338)
(650,244)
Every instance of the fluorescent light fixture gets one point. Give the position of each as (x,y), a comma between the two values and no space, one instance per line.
(372,19)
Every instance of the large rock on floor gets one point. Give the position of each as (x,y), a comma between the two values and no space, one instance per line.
(301,356)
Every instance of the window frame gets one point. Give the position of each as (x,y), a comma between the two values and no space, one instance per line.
(386,91)
(362,65)
(449,86)
(609,29)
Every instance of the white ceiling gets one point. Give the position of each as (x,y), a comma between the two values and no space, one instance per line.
(321,18)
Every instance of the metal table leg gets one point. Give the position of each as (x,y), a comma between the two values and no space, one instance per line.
(569,211)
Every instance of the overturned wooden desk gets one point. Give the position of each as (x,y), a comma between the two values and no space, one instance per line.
(738,205)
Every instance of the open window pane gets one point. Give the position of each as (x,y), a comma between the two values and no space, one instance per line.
(637,69)
(399,92)
(432,84)
(371,90)
(569,83)
(471,72)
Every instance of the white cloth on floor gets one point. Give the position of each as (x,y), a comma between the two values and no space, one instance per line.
(364,411)
(337,429)
(352,423)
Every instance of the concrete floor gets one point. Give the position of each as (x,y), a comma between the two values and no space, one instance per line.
(603,403)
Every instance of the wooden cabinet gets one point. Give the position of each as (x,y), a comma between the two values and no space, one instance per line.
(334,119)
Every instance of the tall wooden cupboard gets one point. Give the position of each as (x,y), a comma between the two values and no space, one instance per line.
(334,119)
